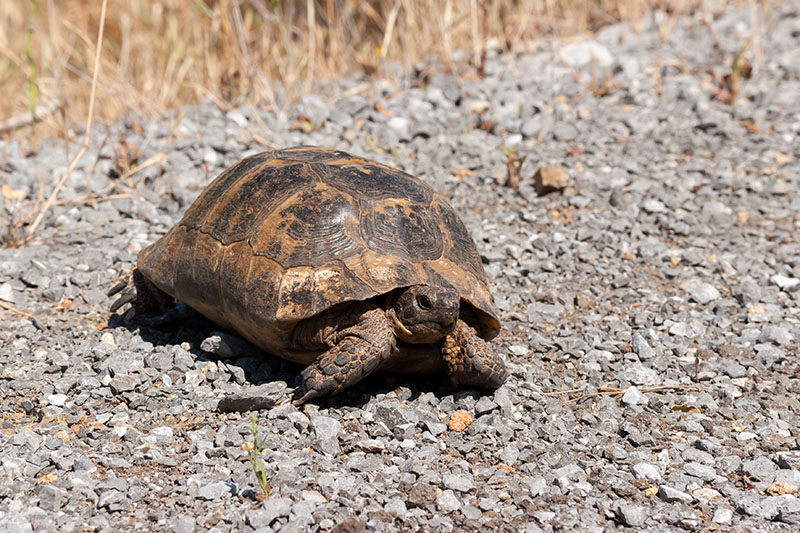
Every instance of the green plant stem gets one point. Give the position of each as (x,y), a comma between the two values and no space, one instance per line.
(255,459)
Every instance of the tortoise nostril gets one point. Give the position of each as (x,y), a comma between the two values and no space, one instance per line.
(424,302)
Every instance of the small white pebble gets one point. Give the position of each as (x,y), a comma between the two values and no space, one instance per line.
(57,399)
(745,436)
(519,349)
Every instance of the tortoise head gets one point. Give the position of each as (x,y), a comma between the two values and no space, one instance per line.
(423,313)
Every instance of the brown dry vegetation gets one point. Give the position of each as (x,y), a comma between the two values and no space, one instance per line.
(158,55)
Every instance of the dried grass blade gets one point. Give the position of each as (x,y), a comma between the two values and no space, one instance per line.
(85,145)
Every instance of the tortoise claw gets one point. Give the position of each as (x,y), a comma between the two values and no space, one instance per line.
(124,289)
(301,396)
(119,302)
(117,288)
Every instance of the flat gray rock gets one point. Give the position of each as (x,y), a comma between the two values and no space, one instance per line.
(254,398)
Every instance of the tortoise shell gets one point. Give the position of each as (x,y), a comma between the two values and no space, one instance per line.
(282,236)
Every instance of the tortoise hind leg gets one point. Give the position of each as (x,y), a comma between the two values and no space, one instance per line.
(471,360)
(140,292)
(358,352)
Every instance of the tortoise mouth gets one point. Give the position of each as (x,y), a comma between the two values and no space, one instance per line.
(435,327)
(424,331)
(441,325)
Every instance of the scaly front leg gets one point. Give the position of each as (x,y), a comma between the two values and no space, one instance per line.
(358,352)
(471,360)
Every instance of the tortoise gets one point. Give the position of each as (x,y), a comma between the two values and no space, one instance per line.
(333,261)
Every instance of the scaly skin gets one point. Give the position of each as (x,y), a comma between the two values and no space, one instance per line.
(359,351)
(471,360)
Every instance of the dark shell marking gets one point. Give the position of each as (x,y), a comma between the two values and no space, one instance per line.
(282,236)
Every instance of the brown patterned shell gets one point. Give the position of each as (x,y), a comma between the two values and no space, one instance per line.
(282,236)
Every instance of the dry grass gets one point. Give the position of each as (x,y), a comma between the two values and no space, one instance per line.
(158,55)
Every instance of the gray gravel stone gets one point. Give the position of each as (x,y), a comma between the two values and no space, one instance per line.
(16,522)
(762,468)
(642,348)
(735,370)
(457,482)
(632,396)
(646,471)
(447,501)
(633,515)
(786,283)
(162,435)
(7,293)
(326,432)
(776,334)
(123,383)
(270,510)
(183,524)
(225,345)
(51,498)
(789,510)
(704,472)
(701,292)
(651,205)
(254,398)
(789,460)
(672,495)
(791,477)
(640,375)
(484,406)
(213,491)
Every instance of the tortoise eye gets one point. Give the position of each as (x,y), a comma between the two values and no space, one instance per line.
(424,302)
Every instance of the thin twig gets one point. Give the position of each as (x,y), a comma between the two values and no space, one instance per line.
(91,199)
(672,387)
(14,309)
(150,161)
(591,394)
(560,392)
(89,116)
(613,391)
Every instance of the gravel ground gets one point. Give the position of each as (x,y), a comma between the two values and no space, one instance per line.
(650,309)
